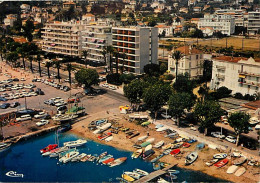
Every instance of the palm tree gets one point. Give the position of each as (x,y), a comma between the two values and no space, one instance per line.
(39,64)
(176,56)
(48,65)
(58,66)
(110,50)
(30,60)
(123,55)
(116,54)
(85,54)
(69,69)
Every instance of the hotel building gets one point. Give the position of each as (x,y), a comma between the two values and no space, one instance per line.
(253,22)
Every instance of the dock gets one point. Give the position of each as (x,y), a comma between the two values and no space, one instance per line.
(154,174)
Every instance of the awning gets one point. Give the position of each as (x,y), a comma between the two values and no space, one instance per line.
(242,76)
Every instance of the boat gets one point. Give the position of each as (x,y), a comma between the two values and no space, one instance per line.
(109,138)
(252,162)
(164,165)
(146,123)
(174,171)
(79,157)
(76,143)
(167,146)
(64,128)
(192,141)
(178,145)
(147,148)
(151,140)
(171,176)
(147,154)
(4,146)
(159,126)
(221,163)
(162,129)
(141,172)
(220,156)
(61,154)
(134,135)
(236,154)
(102,128)
(99,122)
(167,151)
(76,110)
(92,158)
(108,161)
(145,144)
(49,148)
(171,134)
(142,138)
(240,171)
(104,136)
(200,146)
(69,156)
(232,169)
(133,175)
(85,158)
(158,144)
(212,162)
(137,146)
(137,153)
(64,118)
(175,152)
(240,160)
(56,150)
(127,178)
(118,161)
(105,158)
(191,158)
(186,145)
(157,158)
(102,155)
(156,166)
(161,180)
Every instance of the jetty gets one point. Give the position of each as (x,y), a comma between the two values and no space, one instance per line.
(154,174)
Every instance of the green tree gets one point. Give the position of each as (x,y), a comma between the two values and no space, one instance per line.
(28,29)
(207,70)
(12,57)
(58,66)
(152,70)
(177,57)
(178,102)
(69,69)
(155,96)
(239,121)
(39,59)
(163,68)
(48,65)
(30,60)
(104,54)
(184,84)
(85,54)
(126,78)
(23,51)
(207,114)
(88,77)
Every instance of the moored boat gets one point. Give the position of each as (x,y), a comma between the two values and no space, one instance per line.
(156,166)
(232,169)
(175,152)
(159,144)
(133,175)
(147,154)
(105,158)
(85,158)
(212,162)
(240,171)
(161,180)
(102,155)
(174,171)
(191,158)
(56,150)
(142,138)
(108,161)
(69,156)
(149,147)
(137,153)
(141,172)
(48,148)
(127,178)
(4,146)
(221,163)
(240,160)
(118,161)
(64,128)
(220,156)
(76,143)
(79,157)
(157,158)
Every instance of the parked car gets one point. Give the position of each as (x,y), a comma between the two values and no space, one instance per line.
(4,106)
(40,115)
(14,104)
(3,99)
(42,122)
(61,109)
(24,118)
(231,139)
(15,79)
(218,135)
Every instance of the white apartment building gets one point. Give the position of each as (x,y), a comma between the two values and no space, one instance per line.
(236,73)
(240,15)
(253,22)
(94,40)
(167,29)
(191,62)
(223,23)
(62,38)
(140,45)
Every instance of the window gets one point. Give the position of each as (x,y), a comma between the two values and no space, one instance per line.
(197,57)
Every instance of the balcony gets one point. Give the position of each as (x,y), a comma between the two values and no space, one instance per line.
(220,67)
(248,74)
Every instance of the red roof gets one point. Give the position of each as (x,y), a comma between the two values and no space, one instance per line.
(230,58)
(186,50)
(20,40)
(252,105)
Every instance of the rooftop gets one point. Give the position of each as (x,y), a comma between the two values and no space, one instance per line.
(252,105)
(188,50)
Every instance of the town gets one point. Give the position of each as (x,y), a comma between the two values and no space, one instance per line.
(158,91)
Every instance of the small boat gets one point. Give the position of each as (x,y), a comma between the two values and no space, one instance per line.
(236,154)
(164,165)
(159,126)
(146,123)
(156,166)
(108,161)
(84,159)
(100,121)
(240,171)
(191,158)
(221,163)
(175,152)
(79,157)
(220,156)
(76,143)
(171,176)
(92,158)
(145,144)
(147,148)
(167,146)
(102,128)
(174,171)
(158,144)
(171,134)
(252,162)
(212,162)
(240,160)
(147,154)
(105,158)
(167,151)
(137,153)
(200,146)
(186,145)
(192,141)
(162,129)
(102,155)
(133,175)
(151,140)
(142,138)
(97,131)
(134,135)
(48,148)
(178,145)
(157,158)
(232,169)
(127,178)
(56,150)
(104,136)
(4,146)
(141,172)
(161,180)
(69,156)
(118,161)
(109,138)
(64,128)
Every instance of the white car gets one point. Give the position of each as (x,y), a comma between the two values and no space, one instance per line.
(22,79)
(42,122)
(24,118)
(218,135)
(112,87)
(40,115)
(2,90)
(60,104)
(33,94)
(231,139)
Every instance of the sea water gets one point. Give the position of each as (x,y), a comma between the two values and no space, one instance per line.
(24,158)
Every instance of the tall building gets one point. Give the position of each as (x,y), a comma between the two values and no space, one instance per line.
(253,22)
(94,40)
(223,23)
(236,73)
(240,15)
(140,45)
(62,38)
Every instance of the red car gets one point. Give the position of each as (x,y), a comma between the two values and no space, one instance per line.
(49,148)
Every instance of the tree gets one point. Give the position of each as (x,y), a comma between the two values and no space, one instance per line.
(155,96)
(30,60)
(85,54)
(88,77)
(152,70)
(104,53)
(23,51)
(184,84)
(28,29)
(69,69)
(207,70)
(178,102)
(126,78)
(12,57)
(239,121)
(163,68)
(238,95)
(58,66)
(39,63)
(176,56)
(48,65)
(207,114)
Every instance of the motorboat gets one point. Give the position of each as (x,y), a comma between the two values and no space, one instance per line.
(221,163)
(137,153)
(220,156)
(171,135)
(200,146)
(64,128)
(133,175)
(158,144)
(76,143)
(212,162)
(162,129)
(4,146)
(102,155)
(157,158)
(167,151)
(167,146)
(108,161)
(141,172)
(49,148)
(156,166)
(161,180)
(127,178)
(174,171)
(147,148)
(85,158)
(109,138)
(142,138)
(145,144)
(69,156)
(240,171)
(175,152)
(186,145)
(232,169)
(133,135)
(118,161)
(105,158)
(102,128)
(240,160)
(151,140)
(64,118)
(191,158)
(92,158)
(147,154)
(159,126)
(79,157)
(104,136)
(57,152)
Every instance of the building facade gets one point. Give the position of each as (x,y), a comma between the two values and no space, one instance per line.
(238,74)
(240,16)
(253,23)
(223,23)
(139,44)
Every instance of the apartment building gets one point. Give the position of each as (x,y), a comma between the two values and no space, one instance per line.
(236,73)
(140,45)
(62,38)
(94,40)
(191,62)
(223,23)
(240,15)
(253,22)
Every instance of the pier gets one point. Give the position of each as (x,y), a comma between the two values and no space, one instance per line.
(154,174)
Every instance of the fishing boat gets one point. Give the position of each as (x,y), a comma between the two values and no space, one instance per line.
(240,160)
(156,166)
(157,158)
(64,128)
(151,140)
(133,174)
(76,143)
(105,158)
(174,171)
(84,159)
(79,157)
(118,161)
(175,152)
(127,178)
(49,148)
(69,156)
(167,146)
(147,154)
(142,138)
(186,145)
(191,158)
(141,172)
(4,146)
(108,161)
(137,153)
(220,156)
(240,171)
(162,129)
(109,138)
(221,163)
(145,144)
(78,110)
(200,146)
(212,162)
(56,150)
(64,118)
(158,144)
(147,148)
(134,135)
(104,136)
(232,169)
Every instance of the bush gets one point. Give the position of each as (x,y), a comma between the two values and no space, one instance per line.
(114,79)
(126,78)
(238,96)
(169,77)
(249,97)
